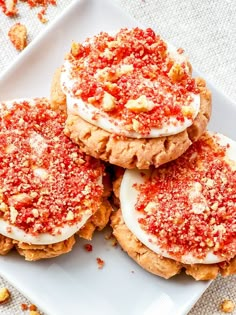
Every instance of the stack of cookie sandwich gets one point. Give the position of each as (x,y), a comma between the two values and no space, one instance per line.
(127,99)
(49,189)
(132,102)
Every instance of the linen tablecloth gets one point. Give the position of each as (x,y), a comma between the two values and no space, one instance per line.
(206,29)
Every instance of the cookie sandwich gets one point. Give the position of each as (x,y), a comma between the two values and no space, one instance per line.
(131,99)
(49,189)
(182,215)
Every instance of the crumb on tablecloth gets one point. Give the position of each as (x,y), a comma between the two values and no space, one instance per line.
(227,306)
(24,307)
(9,7)
(32,309)
(4,295)
(18,36)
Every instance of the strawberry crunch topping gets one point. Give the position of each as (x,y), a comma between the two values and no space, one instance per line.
(132,76)
(46,182)
(189,205)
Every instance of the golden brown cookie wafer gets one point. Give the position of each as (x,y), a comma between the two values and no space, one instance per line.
(6,244)
(98,221)
(146,258)
(129,152)
(162,266)
(39,129)
(36,252)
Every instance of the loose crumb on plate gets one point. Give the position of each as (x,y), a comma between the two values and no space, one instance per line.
(100,263)
(18,36)
(88,247)
(4,295)
(227,306)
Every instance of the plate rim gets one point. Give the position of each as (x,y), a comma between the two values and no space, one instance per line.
(27,51)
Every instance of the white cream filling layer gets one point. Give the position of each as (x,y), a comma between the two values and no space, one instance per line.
(87,111)
(128,199)
(38,145)
(63,233)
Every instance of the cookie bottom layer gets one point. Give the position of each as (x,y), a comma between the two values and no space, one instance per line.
(33,252)
(159,265)
(128,152)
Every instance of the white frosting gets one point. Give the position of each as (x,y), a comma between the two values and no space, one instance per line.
(38,145)
(64,233)
(87,111)
(128,199)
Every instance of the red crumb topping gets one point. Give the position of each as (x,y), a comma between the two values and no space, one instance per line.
(45,180)
(193,203)
(104,80)
(100,263)
(88,247)
(9,7)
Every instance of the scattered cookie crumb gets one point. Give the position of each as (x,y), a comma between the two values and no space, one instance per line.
(4,295)
(100,263)
(9,7)
(18,36)
(132,271)
(32,307)
(88,247)
(24,307)
(44,5)
(227,306)
(41,16)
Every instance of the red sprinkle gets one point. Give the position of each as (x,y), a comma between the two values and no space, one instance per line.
(32,138)
(183,221)
(96,65)
(88,247)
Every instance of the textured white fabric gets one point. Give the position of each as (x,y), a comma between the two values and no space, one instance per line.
(206,29)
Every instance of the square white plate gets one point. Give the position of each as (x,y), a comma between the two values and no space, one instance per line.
(73,284)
